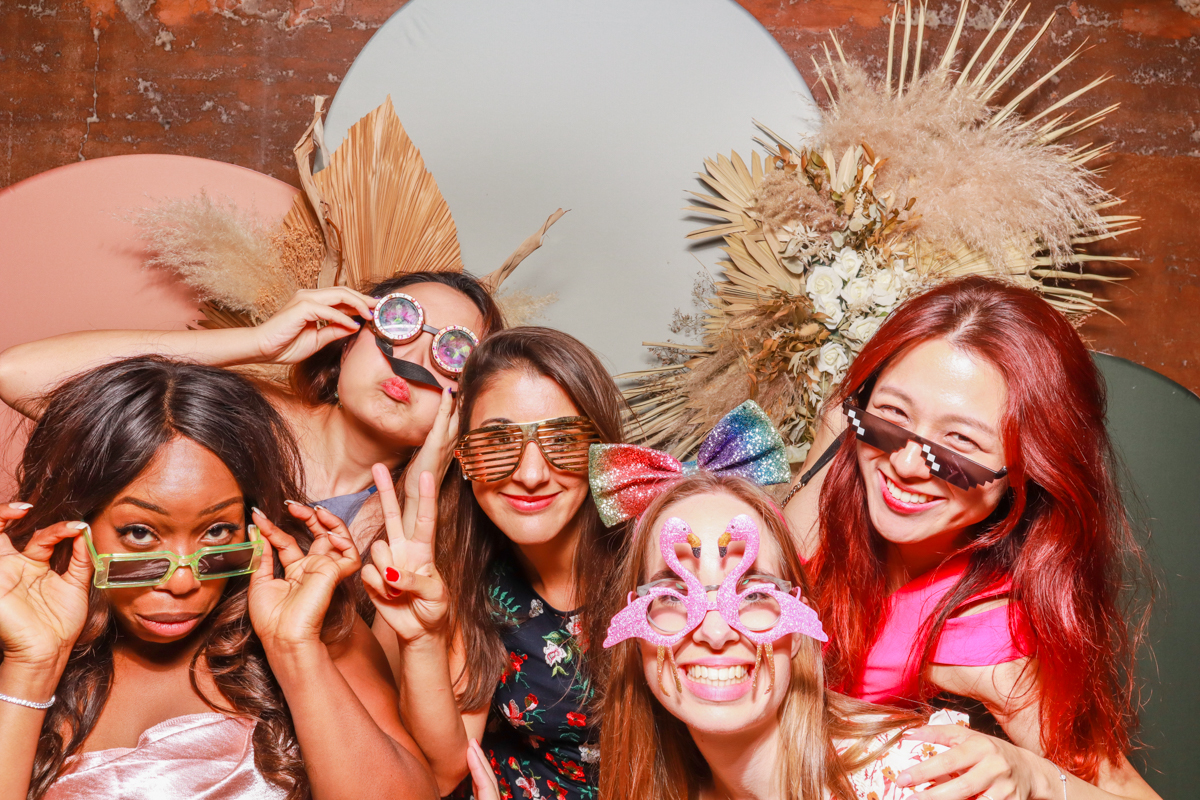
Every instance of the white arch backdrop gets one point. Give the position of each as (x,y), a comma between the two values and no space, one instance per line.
(607,108)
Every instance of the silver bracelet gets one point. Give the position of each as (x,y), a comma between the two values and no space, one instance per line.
(16,701)
(1062,777)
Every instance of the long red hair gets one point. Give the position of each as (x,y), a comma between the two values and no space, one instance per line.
(1061,533)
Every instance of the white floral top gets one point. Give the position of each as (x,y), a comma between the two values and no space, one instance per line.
(877,780)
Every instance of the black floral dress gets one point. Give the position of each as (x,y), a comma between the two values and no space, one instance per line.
(539,738)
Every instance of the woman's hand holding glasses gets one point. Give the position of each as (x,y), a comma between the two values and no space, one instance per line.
(309,320)
(290,611)
(41,612)
(402,580)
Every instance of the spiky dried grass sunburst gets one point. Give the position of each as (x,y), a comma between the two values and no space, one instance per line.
(920,169)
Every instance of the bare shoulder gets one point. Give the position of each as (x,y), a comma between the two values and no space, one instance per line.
(997,686)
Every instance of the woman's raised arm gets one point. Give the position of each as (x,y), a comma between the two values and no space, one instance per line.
(310,320)
(985,765)
(340,696)
(410,597)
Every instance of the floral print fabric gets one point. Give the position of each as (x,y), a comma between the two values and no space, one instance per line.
(877,780)
(539,739)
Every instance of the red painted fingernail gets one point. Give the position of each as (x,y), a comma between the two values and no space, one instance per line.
(391,574)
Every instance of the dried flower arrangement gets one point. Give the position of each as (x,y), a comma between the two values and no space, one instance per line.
(908,181)
(373,212)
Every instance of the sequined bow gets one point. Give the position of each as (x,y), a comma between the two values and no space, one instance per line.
(626,477)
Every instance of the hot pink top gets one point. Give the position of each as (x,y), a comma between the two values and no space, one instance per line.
(891,672)
(206,756)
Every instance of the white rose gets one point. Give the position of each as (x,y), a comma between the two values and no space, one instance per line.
(863,329)
(885,288)
(823,282)
(857,292)
(553,654)
(832,358)
(847,263)
(831,307)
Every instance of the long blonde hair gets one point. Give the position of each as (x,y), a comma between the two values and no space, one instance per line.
(659,760)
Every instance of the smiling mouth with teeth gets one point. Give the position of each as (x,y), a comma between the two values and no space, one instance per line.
(912,498)
(717,676)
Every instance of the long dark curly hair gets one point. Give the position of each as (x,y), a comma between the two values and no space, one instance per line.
(99,431)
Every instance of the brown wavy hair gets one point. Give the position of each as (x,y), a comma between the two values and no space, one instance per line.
(314,380)
(659,760)
(468,542)
(99,431)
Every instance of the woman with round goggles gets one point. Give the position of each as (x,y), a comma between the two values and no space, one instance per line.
(171,625)
(500,611)
(371,375)
(972,541)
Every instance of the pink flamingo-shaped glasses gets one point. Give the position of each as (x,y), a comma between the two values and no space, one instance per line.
(633,621)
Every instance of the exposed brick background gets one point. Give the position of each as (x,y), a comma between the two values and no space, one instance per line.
(224,79)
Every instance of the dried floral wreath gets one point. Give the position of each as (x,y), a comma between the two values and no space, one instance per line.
(372,213)
(908,181)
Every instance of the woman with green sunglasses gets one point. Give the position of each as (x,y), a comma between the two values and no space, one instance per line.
(171,640)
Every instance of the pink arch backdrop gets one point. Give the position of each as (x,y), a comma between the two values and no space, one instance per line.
(73,260)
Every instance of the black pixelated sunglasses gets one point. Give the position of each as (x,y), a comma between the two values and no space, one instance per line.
(953,468)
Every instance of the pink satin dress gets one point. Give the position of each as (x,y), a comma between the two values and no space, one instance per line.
(202,756)
(974,640)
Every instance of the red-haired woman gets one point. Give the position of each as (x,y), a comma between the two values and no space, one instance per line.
(972,539)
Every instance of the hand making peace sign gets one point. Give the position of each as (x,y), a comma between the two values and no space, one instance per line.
(402,580)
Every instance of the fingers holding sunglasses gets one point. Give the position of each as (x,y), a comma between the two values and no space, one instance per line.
(40,546)
(41,611)
(288,550)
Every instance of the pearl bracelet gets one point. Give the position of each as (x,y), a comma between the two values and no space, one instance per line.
(16,701)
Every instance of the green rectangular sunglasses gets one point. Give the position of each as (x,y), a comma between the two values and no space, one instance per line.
(130,570)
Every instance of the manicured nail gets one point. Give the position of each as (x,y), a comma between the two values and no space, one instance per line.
(391,575)
(254,510)
(291,503)
(321,508)
(77,526)
(21,506)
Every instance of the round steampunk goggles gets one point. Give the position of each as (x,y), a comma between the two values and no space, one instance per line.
(398,319)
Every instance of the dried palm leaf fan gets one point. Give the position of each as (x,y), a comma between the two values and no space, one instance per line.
(910,180)
(372,213)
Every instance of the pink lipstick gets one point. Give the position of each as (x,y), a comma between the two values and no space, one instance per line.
(529,504)
(397,389)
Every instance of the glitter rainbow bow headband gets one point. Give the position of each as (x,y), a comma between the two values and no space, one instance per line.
(762,608)
(626,477)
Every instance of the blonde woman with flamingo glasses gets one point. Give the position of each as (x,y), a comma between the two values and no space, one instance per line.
(717,688)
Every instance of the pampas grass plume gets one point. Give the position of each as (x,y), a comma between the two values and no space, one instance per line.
(976,182)
(224,254)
